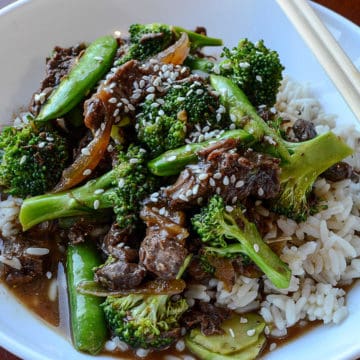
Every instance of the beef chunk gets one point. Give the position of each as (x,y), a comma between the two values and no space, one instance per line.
(57,66)
(119,274)
(225,171)
(163,249)
(304,130)
(338,172)
(121,270)
(31,266)
(208,316)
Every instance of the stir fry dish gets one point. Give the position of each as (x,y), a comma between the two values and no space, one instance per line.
(177,190)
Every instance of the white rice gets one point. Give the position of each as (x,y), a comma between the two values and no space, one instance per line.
(324,252)
(9,213)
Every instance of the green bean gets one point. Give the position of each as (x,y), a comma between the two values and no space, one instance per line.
(91,67)
(173,161)
(88,324)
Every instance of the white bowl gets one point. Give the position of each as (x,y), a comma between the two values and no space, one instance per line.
(29,30)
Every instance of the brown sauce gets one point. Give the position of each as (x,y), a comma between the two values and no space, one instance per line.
(35,297)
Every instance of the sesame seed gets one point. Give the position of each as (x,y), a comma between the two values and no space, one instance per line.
(98,58)
(42,144)
(87,172)
(212,182)
(218,117)
(188,193)
(232,178)
(98,191)
(203,176)
(164,68)
(119,104)
(49,138)
(256,247)
(171,158)
(267,330)
(96,204)
(226,180)
(121,182)
(126,109)
(261,191)
(258,78)
(199,200)
(85,151)
(116,112)
(232,117)
(272,346)
(199,91)
(239,184)
(218,190)
(195,189)
(110,148)
(243,320)
(232,127)
(112,100)
(133,161)
(189,92)
(161,112)
(244,65)
(141,83)
(162,211)
(150,97)
(102,126)
(23,159)
(231,332)
(160,101)
(180,99)
(131,107)
(183,197)
(251,332)
(150,89)
(217,176)
(234,199)
(229,208)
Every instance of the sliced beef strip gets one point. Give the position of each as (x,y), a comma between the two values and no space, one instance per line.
(304,130)
(163,249)
(123,270)
(223,170)
(57,66)
(128,85)
(208,316)
(338,172)
(31,266)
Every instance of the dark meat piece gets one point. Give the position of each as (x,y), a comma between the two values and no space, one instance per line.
(22,252)
(338,172)
(223,170)
(200,30)
(304,130)
(163,249)
(122,270)
(125,87)
(120,274)
(208,316)
(57,66)
(197,272)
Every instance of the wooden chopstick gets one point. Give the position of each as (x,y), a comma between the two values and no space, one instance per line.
(331,56)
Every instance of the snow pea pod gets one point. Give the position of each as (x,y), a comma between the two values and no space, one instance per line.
(172,162)
(90,68)
(88,324)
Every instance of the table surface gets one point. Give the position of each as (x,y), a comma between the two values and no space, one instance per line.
(348,8)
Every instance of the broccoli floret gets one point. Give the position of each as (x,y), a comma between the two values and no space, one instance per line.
(256,69)
(308,161)
(146,321)
(31,160)
(219,227)
(121,189)
(147,40)
(185,105)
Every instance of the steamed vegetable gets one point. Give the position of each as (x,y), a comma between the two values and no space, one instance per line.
(88,324)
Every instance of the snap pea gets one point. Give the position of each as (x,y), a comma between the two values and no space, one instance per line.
(91,67)
(174,161)
(88,324)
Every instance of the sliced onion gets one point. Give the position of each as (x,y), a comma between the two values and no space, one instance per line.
(84,164)
(176,53)
(155,287)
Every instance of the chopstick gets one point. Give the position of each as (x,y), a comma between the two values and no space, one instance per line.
(330,55)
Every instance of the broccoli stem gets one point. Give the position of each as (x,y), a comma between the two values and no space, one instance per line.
(173,162)
(198,40)
(252,245)
(195,63)
(240,109)
(76,202)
